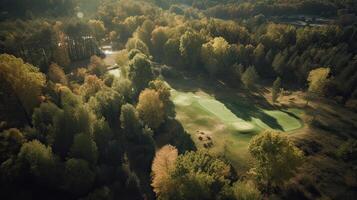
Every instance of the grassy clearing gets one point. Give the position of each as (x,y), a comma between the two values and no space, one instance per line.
(229,125)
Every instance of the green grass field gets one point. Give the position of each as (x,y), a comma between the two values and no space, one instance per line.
(201,113)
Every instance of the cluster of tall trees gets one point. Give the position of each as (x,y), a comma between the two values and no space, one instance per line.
(94,136)
(237,8)
(198,175)
(227,49)
(29,9)
(87,136)
(42,41)
(191,40)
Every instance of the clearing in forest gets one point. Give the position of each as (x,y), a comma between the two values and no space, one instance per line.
(226,127)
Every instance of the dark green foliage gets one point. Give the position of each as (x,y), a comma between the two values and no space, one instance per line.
(190,48)
(133,52)
(129,121)
(277,159)
(69,122)
(68,99)
(348,150)
(172,52)
(141,146)
(97,66)
(107,103)
(11,171)
(201,161)
(249,77)
(43,120)
(216,56)
(114,152)
(37,159)
(11,141)
(132,185)
(159,37)
(266,7)
(84,148)
(103,193)
(128,187)
(64,123)
(198,175)
(137,44)
(176,9)
(246,191)
(110,146)
(19,8)
(123,87)
(102,137)
(229,30)
(78,177)
(140,72)
(141,151)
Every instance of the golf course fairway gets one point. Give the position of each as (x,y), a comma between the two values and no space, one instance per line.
(221,112)
(204,116)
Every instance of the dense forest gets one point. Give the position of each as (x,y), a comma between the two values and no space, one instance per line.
(71,128)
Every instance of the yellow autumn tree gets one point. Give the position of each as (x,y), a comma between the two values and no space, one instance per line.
(151,108)
(318,80)
(164,162)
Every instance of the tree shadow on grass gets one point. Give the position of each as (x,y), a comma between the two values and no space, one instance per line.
(248,111)
(290,114)
(245,105)
(172,132)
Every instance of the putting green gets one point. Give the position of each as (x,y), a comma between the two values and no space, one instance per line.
(287,122)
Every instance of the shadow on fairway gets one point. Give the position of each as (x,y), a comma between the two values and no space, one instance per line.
(290,114)
(247,112)
(245,105)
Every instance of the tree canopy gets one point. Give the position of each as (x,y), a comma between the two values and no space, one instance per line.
(150,108)
(276,157)
(25,79)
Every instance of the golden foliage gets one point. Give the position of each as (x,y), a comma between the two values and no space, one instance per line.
(151,108)
(164,162)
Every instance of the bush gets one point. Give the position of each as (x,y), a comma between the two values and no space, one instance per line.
(246,191)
